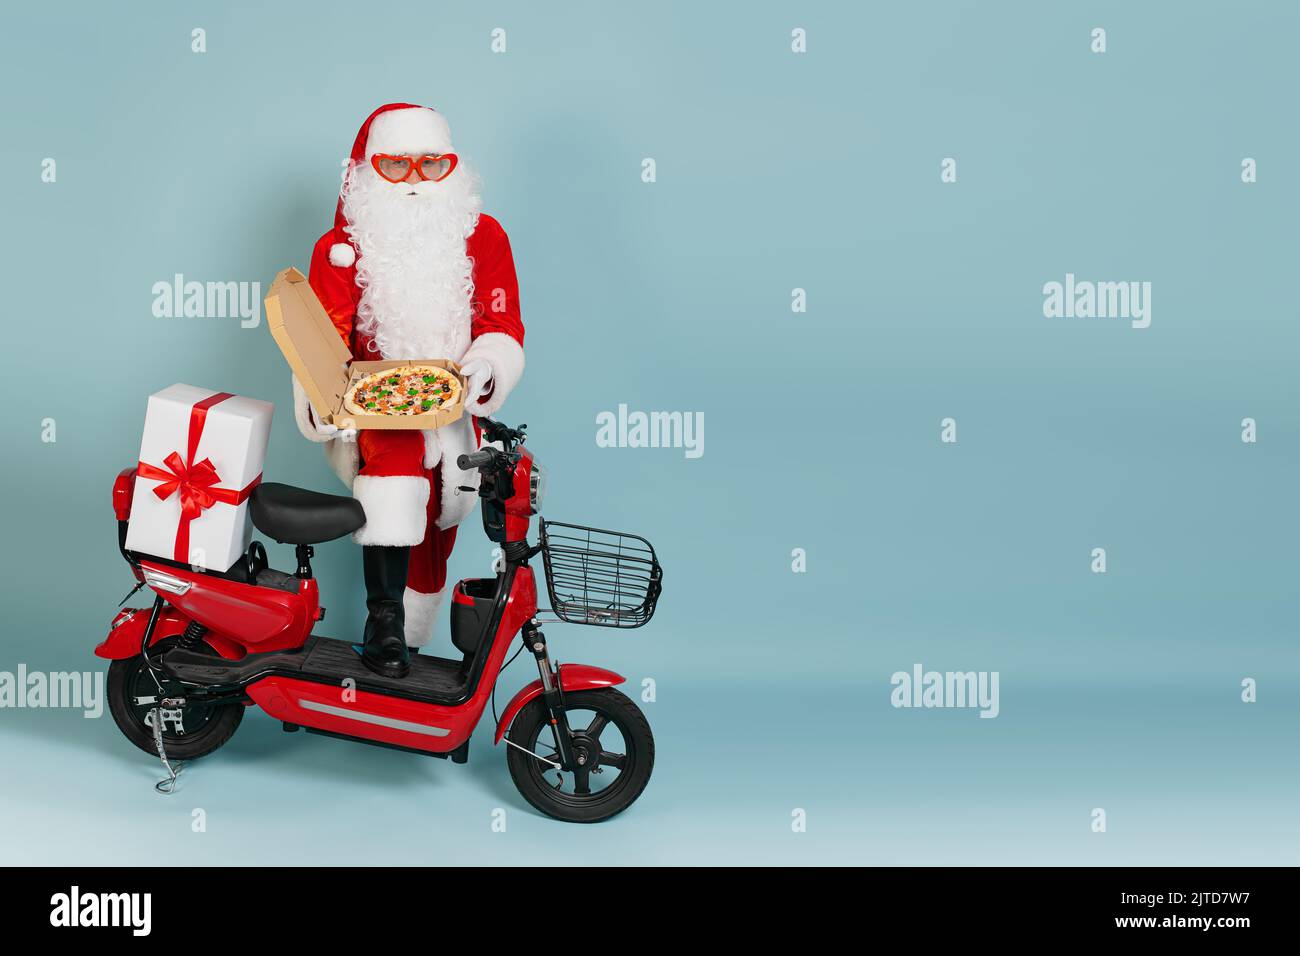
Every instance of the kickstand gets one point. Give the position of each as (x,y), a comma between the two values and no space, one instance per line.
(155,716)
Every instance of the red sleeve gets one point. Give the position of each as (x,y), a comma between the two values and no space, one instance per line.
(335,286)
(496,289)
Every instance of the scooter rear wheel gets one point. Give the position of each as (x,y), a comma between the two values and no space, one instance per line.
(615,771)
(195,731)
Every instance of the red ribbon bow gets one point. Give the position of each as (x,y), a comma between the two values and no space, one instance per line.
(195,482)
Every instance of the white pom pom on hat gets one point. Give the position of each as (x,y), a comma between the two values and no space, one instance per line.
(342,254)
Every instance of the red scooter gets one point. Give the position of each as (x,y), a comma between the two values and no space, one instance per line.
(214,643)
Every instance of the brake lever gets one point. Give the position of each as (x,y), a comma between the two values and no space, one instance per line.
(497,431)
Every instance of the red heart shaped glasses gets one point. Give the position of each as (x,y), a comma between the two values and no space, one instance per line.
(431,167)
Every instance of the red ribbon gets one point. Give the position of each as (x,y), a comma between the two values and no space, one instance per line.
(195,482)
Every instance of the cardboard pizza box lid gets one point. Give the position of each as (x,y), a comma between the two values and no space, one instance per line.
(310,342)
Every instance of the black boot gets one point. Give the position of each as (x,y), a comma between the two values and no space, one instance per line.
(384,643)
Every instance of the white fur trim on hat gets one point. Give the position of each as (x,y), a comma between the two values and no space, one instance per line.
(506,356)
(421,615)
(414,130)
(342,254)
(395,509)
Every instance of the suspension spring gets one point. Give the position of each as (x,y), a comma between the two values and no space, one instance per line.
(192,637)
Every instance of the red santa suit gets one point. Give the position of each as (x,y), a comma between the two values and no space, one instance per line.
(408,481)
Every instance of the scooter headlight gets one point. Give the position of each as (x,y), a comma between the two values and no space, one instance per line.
(536,487)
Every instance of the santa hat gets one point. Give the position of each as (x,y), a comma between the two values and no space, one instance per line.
(393,128)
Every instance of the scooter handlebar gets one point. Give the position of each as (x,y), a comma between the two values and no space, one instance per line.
(477,459)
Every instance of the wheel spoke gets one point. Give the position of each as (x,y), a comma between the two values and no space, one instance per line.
(597,726)
(607,759)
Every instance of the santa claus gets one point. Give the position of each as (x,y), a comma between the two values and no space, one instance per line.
(413,269)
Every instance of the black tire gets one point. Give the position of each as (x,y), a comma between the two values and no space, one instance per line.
(529,730)
(204,729)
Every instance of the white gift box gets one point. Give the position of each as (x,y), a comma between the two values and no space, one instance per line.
(200,458)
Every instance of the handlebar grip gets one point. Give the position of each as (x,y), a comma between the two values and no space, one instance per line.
(477,459)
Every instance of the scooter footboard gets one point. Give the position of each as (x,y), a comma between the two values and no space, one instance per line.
(412,724)
(573,677)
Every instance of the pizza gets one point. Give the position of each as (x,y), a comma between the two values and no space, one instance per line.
(405,390)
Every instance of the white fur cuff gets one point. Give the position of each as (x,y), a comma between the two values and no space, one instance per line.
(455,440)
(395,507)
(302,414)
(342,254)
(506,356)
(344,459)
(432,449)
(421,615)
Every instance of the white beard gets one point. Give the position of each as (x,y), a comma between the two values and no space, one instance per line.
(412,266)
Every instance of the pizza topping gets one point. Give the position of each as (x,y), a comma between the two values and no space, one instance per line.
(404,391)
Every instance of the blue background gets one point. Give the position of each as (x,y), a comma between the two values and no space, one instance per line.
(775,171)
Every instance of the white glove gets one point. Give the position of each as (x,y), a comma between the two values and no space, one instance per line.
(309,422)
(326,432)
(478,375)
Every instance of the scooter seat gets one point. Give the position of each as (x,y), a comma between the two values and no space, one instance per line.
(297,516)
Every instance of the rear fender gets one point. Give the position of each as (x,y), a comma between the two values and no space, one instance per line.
(573,677)
(127,631)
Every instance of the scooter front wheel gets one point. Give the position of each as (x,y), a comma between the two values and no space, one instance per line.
(610,734)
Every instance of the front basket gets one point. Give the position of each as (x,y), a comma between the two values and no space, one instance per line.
(605,578)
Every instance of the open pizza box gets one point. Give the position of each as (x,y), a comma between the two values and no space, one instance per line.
(324,365)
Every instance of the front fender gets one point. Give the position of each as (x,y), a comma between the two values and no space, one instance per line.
(573,677)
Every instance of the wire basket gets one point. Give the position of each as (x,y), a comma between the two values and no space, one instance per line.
(605,578)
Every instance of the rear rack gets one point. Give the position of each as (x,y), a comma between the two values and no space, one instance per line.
(598,577)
